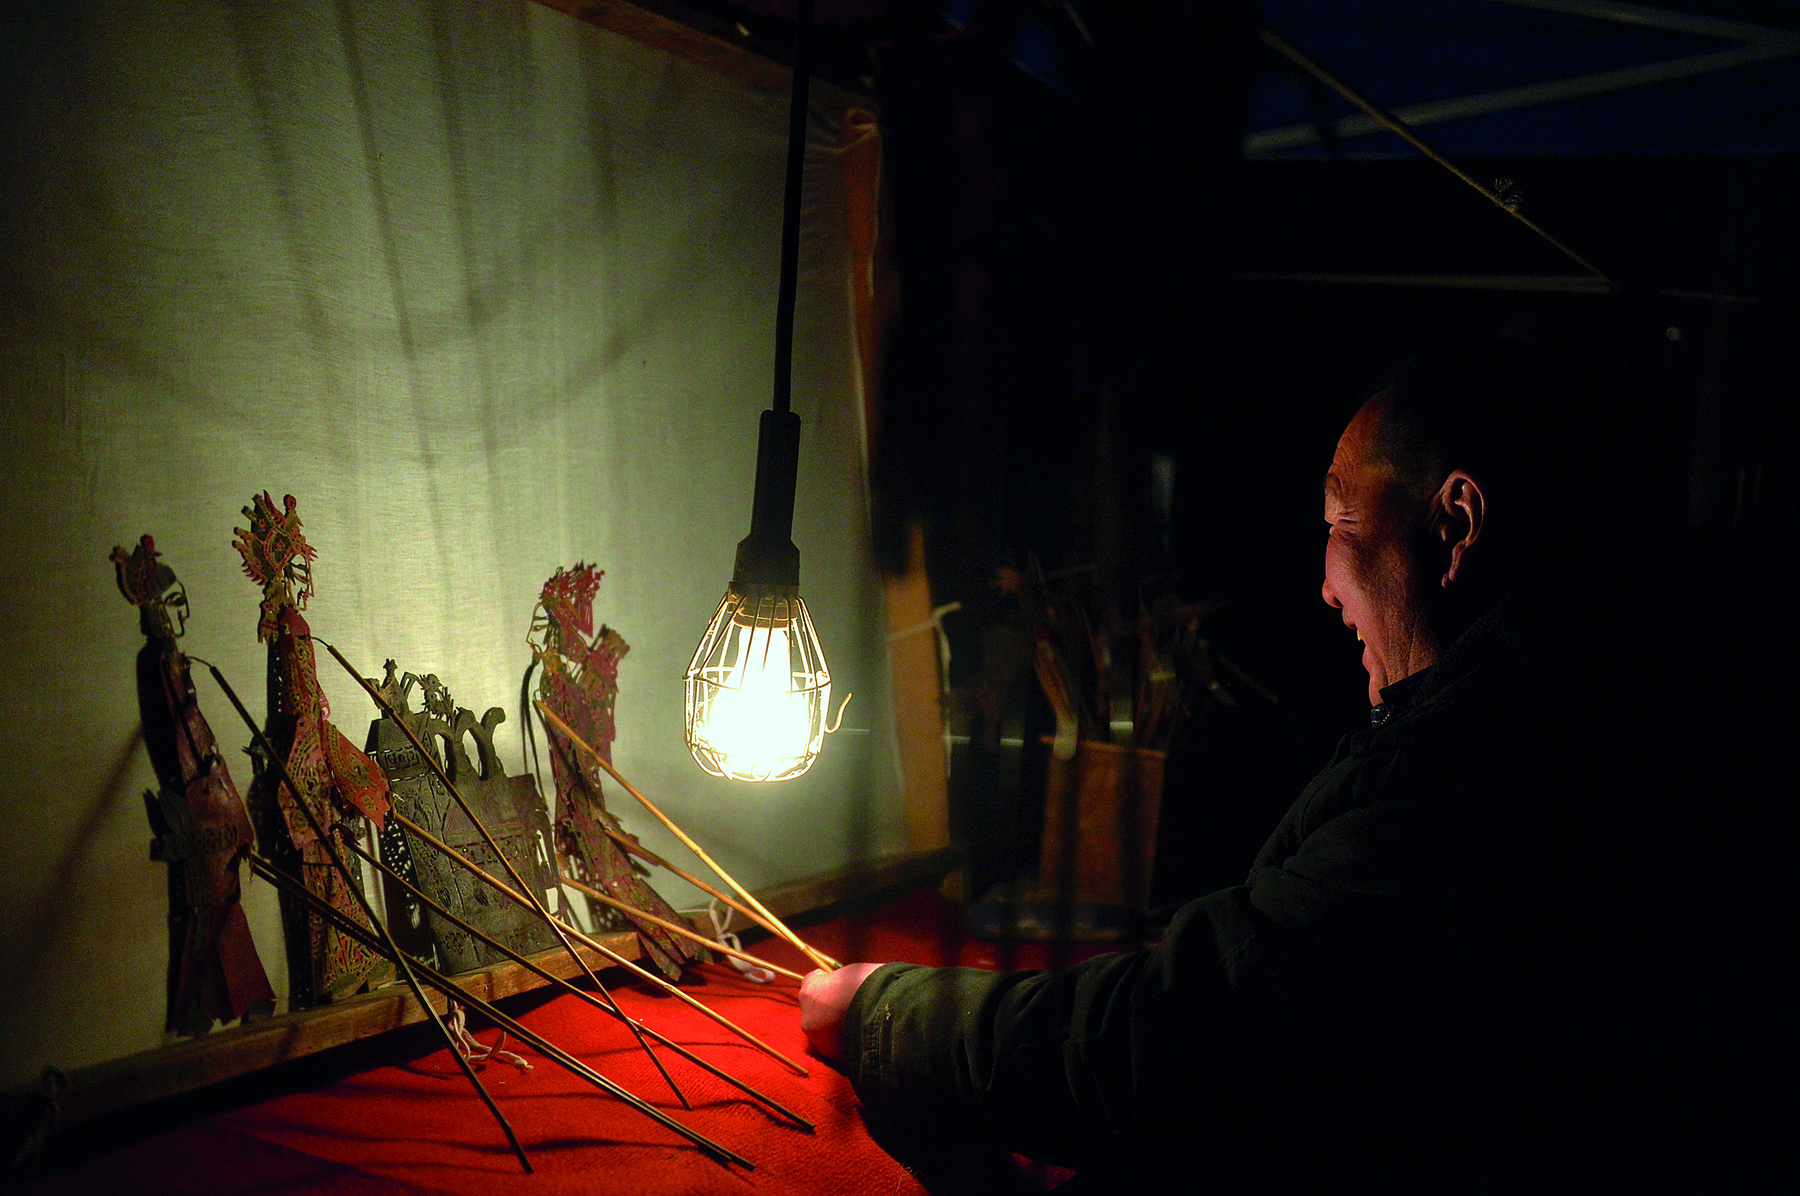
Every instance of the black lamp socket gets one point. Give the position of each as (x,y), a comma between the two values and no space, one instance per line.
(767,556)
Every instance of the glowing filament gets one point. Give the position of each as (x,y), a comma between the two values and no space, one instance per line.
(757,689)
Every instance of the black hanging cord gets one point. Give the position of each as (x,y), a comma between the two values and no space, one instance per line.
(529,752)
(790,208)
(767,556)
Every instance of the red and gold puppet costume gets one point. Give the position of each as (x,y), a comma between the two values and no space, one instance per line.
(337,782)
(202,829)
(580,685)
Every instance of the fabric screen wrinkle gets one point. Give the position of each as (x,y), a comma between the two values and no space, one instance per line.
(490,291)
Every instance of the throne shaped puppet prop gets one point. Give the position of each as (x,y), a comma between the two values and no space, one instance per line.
(340,785)
(508,807)
(580,684)
(202,829)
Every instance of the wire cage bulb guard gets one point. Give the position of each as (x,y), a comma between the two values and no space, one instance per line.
(757,688)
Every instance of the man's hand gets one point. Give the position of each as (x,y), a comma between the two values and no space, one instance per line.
(824,999)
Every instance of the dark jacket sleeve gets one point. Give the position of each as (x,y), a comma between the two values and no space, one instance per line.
(1315,965)
(1054,1065)
(1076,1066)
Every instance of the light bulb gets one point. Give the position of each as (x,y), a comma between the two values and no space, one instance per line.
(758,687)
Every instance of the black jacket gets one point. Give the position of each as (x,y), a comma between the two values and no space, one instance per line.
(1503,940)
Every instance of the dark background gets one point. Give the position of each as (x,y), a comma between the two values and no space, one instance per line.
(1077,236)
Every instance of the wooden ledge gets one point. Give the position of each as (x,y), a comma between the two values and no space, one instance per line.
(817,898)
(192,1064)
(195,1063)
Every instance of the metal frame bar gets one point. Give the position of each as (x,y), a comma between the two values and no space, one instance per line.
(1404,131)
(1762,44)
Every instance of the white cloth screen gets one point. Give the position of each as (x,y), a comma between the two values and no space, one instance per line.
(488,290)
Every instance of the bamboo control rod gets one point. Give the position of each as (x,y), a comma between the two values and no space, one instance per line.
(594,944)
(523,893)
(771,921)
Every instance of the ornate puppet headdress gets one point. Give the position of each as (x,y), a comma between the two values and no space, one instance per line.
(276,557)
(153,588)
(568,597)
(565,605)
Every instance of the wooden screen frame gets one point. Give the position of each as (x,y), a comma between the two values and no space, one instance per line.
(182,1067)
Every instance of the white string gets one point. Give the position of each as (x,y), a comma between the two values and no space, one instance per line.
(832,729)
(470,1048)
(936,624)
(722,934)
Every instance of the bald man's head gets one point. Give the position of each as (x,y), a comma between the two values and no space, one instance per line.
(1527,420)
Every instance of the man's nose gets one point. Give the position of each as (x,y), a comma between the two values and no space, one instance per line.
(1331,598)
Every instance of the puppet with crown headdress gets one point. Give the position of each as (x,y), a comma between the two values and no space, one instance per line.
(202,830)
(339,784)
(580,684)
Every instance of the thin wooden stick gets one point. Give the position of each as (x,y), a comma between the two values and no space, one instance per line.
(595,944)
(773,922)
(469,928)
(385,946)
(638,849)
(530,899)
(266,869)
(635,912)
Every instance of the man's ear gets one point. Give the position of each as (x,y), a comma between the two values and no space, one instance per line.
(1458,513)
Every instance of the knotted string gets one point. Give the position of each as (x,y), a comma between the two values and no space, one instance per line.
(935,624)
(470,1048)
(722,934)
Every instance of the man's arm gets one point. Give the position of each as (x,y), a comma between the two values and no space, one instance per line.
(1066,1067)
(1294,974)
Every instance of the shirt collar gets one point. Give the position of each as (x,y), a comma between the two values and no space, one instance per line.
(1397,697)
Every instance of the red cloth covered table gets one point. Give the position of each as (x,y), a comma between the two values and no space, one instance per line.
(416,1126)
